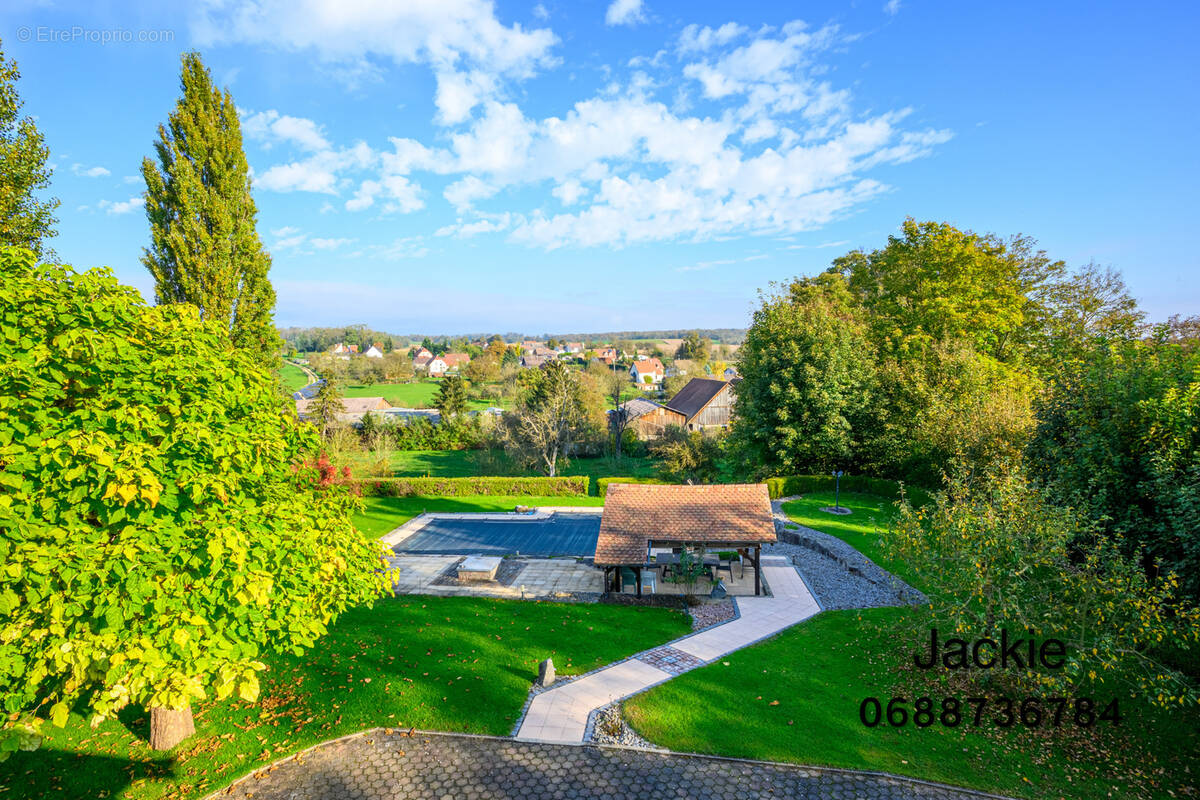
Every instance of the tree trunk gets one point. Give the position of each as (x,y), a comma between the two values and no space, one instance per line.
(168,728)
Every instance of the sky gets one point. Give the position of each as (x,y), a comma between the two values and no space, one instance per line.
(462,166)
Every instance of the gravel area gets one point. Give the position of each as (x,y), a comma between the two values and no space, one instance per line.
(709,614)
(611,728)
(838,575)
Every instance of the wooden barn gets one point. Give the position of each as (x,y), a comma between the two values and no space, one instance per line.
(703,404)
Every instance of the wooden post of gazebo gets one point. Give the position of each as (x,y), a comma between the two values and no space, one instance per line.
(757,569)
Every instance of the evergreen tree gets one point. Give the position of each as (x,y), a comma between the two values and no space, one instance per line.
(25,221)
(204,247)
(451,397)
(325,407)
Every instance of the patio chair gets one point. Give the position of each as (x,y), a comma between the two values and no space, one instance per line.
(629,580)
(725,564)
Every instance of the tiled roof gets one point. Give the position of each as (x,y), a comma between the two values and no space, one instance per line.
(456,359)
(698,393)
(650,365)
(719,514)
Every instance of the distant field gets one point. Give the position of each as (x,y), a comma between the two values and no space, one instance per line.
(409,395)
(293,377)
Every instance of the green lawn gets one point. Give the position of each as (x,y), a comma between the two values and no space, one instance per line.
(863,530)
(382,514)
(293,377)
(409,395)
(403,395)
(796,698)
(450,664)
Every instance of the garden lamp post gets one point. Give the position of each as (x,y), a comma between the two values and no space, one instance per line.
(837,490)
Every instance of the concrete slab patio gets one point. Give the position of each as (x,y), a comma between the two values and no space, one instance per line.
(560,714)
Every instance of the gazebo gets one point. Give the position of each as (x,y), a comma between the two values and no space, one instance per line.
(641,517)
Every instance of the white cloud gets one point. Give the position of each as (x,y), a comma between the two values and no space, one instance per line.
(624,12)
(462,194)
(749,137)
(540,12)
(364,197)
(89,172)
(299,176)
(694,38)
(289,237)
(270,127)
(123,206)
(329,244)
(892,7)
(131,179)
(569,192)
(489,224)
(461,40)
(400,193)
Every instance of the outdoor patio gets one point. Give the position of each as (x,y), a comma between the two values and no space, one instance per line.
(740,584)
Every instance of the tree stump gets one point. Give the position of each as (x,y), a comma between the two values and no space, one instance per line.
(169,727)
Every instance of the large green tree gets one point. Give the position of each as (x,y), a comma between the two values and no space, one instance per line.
(25,220)
(807,374)
(204,247)
(164,521)
(549,416)
(1119,438)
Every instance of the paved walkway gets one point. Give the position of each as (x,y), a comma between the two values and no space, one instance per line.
(560,714)
(388,765)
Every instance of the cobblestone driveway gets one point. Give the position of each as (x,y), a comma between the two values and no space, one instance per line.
(377,764)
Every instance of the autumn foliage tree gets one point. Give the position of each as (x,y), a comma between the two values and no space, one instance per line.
(163,521)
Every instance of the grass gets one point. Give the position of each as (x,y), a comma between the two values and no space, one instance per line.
(420,394)
(467,463)
(863,529)
(293,377)
(451,664)
(796,698)
(382,514)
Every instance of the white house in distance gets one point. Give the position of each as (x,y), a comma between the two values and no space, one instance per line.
(374,351)
(647,372)
(436,366)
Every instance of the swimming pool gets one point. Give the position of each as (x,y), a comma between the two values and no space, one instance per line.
(558,534)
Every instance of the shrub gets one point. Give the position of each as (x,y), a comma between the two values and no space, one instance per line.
(786,486)
(539,486)
(602,484)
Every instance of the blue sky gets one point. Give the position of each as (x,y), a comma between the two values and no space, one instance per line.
(449,166)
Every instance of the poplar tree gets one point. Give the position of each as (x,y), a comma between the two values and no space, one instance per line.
(25,221)
(204,246)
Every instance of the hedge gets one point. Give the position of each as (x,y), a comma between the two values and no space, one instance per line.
(563,486)
(603,483)
(881,487)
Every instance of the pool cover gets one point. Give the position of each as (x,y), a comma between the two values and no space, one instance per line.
(556,535)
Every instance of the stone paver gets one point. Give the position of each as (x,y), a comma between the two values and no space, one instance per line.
(668,659)
(560,714)
(547,577)
(388,765)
